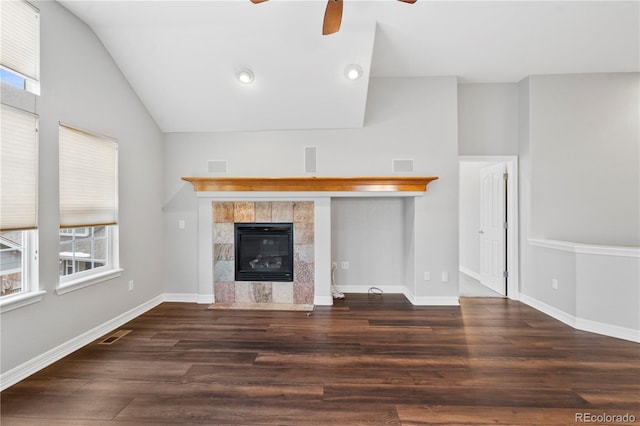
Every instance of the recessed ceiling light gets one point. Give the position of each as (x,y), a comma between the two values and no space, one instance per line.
(353,71)
(246,76)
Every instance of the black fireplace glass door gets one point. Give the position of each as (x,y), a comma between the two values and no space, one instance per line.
(264,251)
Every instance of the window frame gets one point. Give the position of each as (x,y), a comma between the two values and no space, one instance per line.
(30,292)
(110,270)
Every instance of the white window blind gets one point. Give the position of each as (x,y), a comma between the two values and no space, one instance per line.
(20,38)
(18,169)
(88,178)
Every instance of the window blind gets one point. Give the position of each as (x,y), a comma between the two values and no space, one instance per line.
(88,178)
(18,169)
(20,38)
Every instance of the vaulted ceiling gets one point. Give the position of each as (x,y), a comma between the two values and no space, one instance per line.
(182,57)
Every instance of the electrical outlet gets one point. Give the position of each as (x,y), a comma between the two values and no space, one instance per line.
(131,285)
(445,276)
(181,224)
(427,276)
(554,283)
(344,265)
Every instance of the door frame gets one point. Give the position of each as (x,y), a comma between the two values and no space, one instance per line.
(512,249)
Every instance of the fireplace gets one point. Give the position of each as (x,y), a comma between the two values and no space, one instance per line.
(264,252)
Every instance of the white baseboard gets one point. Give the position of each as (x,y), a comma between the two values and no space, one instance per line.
(436,301)
(582,324)
(470,273)
(36,364)
(323,300)
(181,297)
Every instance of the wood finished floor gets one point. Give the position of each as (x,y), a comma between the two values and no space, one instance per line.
(367,360)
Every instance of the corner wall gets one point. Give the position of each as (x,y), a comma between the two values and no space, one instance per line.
(580,187)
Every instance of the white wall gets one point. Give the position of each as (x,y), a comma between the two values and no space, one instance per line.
(82,86)
(406,118)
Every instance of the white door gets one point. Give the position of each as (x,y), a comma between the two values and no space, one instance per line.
(492,227)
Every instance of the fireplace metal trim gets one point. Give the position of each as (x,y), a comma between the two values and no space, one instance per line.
(261,269)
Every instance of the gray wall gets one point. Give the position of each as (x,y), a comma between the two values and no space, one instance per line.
(580,183)
(406,118)
(82,86)
(585,148)
(488,119)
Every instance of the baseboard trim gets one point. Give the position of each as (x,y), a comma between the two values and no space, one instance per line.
(181,297)
(582,324)
(323,300)
(436,301)
(36,364)
(468,272)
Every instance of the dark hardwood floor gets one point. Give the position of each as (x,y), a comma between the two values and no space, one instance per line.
(367,360)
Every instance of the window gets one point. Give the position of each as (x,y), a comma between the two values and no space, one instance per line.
(15,266)
(18,206)
(12,79)
(19,71)
(88,208)
(83,249)
(20,36)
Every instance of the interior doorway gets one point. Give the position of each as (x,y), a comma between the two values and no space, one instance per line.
(488,226)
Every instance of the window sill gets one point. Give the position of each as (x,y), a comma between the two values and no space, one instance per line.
(9,303)
(77,284)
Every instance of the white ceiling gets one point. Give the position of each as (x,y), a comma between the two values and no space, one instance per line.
(181,57)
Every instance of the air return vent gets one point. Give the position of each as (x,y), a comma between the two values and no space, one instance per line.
(402,166)
(217,166)
(114,337)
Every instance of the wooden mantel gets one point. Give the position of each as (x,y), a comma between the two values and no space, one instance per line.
(311,184)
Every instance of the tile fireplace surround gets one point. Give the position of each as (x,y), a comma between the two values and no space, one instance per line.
(304,201)
(226,290)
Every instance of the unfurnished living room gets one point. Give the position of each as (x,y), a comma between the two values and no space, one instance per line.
(325,212)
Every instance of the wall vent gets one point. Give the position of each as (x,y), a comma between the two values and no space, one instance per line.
(114,337)
(402,166)
(217,166)
(310,159)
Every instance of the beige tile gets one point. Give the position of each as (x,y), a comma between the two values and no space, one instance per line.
(303,212)
(223,212)
(223,233)
(303,233)
(224,292)
(282,211)
(263,212)
(282,292)
(261,292)
(223,252)
(242,292)
(244,211)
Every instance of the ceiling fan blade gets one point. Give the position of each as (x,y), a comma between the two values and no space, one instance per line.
(403,1)
(257,1)
(332,17)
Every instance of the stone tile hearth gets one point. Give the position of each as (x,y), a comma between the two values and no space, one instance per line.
(226,290)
